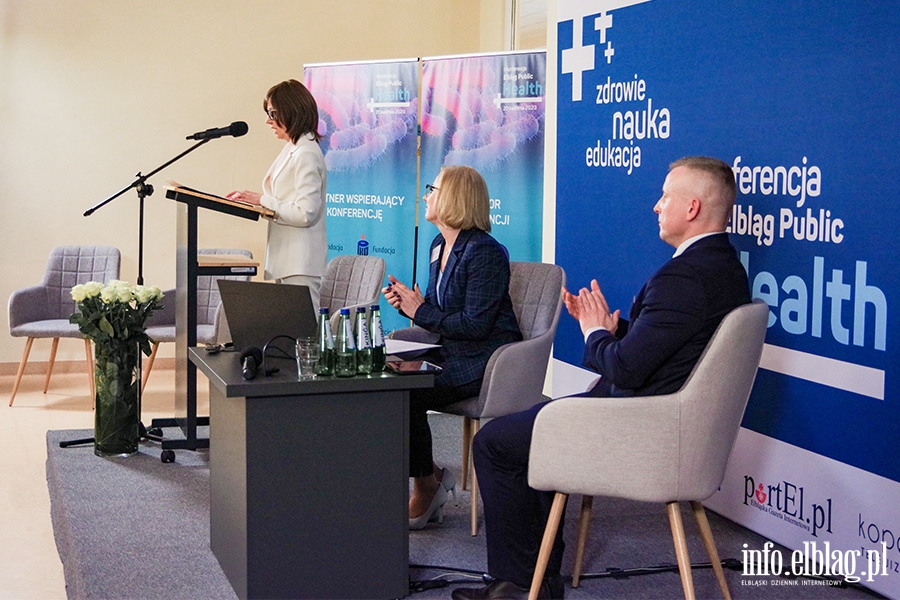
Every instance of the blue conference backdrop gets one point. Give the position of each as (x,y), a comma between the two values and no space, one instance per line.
(487,111)
(368,120)
(799,98)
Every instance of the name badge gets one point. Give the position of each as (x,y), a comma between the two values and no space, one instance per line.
(435,253)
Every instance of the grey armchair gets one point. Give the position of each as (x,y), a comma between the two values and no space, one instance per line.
(351,281)
(42,311)
(666,448)
(210,316)
(514,377)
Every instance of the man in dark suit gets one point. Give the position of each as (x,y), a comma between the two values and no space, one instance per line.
(672,319)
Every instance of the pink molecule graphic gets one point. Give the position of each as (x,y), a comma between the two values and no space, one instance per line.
(358,117)
(483,109)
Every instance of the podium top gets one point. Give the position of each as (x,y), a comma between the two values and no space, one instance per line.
(217,203)
(225,260)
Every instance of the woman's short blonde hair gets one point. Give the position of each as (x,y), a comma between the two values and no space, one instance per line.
(463,200)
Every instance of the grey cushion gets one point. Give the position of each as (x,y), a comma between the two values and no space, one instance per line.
(659,448)
(210,317)
(48,328)
(349,282)
(43,310)
(514,377)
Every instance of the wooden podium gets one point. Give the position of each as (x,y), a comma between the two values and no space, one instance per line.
(188,267)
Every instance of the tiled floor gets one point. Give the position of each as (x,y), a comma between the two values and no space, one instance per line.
(29,564)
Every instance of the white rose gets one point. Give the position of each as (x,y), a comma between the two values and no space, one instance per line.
(143,294)
(157,293)
(109,294)
(121,290)
(92,289)
(79,293)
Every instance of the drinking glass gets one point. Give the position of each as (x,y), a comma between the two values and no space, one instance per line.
(307,358)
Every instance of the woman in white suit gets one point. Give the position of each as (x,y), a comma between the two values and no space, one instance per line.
(294,187)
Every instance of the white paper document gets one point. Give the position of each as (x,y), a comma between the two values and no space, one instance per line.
(401,346)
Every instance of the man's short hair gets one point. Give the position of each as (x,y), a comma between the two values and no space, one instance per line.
(463,201)
(722,190)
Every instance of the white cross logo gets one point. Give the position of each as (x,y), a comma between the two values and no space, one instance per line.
(580,58)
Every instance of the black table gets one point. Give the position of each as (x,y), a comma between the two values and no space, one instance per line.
(309,481)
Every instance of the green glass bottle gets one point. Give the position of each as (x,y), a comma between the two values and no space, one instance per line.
(363,343)
(326,344)
(378,353)
(345,349)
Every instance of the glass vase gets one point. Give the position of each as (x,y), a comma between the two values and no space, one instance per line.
(117,375)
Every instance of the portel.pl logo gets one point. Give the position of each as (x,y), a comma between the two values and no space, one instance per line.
(788,502)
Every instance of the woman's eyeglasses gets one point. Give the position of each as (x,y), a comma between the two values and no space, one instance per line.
(429,188)
(270,114)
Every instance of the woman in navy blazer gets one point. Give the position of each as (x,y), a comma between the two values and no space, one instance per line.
(467,304)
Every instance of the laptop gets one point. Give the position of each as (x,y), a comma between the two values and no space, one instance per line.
(258,312)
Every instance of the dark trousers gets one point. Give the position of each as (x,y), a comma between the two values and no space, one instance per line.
(420,402)
(515,515)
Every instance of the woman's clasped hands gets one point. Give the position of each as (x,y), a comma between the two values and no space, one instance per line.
(401,297)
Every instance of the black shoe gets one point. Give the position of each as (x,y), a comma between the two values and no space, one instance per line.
(500,590)
(554,585)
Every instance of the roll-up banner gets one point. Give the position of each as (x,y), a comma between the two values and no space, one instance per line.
(486,111)
(368,119)
(799,98)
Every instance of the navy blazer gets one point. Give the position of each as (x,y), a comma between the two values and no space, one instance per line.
(476,316)
(670,322)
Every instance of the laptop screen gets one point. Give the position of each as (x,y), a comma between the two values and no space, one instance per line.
(258,312)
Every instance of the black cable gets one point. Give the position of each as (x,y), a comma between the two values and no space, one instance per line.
(617,573)
(437,582)
(729,563)
(284,354)
(450,569)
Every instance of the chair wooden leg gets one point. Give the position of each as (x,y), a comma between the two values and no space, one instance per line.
(473,479)
(707,536)
(89,357)
(466,445)
(681,550)
(150,360)
(540,569)
(50,364)
(21,370)
(584,524)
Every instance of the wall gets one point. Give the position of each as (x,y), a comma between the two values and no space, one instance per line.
(93,92)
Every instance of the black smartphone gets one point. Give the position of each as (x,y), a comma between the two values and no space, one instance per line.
(412,367)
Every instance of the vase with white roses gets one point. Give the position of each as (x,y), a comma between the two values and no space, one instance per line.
(114,317)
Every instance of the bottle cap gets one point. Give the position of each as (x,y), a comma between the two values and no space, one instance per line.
(375,307)
(345,311)
(323,310)
(360,309)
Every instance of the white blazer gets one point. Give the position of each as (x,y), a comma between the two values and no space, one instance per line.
(294,188)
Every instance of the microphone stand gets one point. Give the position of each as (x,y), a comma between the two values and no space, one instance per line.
(144,189)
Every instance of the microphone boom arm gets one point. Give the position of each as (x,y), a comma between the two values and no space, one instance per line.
(144,189)
(140,183)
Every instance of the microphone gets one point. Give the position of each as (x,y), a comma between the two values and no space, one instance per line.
(251,357)
(237,129)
